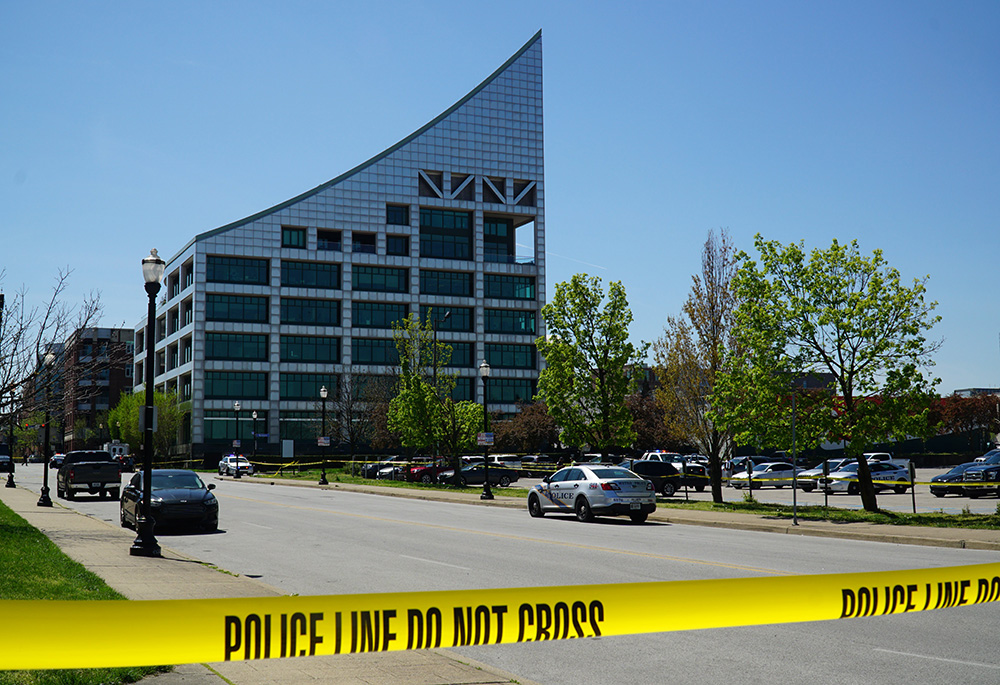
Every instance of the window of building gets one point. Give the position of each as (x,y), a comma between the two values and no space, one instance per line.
(309,348)
(462,354)
(510,321)
(460,318)
(463,390)
(509,287)
(220,269)
(373,388)
(397,215)
(310,312)
(310,275)
(370,351)
(384,279)
(328,241)
(510,356)
(363,243)
(223,425)
(305,386)
(509,390)
(240,308)
(397,245)
(498,240)
(299,425)
(234,346)
(241,385)
(292,236)
(445,234)
(445,283)
(377,314)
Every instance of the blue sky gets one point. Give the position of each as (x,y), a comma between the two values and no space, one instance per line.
(126,126)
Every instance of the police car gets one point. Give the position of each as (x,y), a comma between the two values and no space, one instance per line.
(590,490)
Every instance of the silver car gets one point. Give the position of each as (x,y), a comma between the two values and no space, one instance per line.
(590,490)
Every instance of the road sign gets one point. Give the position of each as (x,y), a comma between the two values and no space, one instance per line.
(236,443)
(485,439)
(323,441)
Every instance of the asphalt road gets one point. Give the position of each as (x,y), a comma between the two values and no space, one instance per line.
(309,541)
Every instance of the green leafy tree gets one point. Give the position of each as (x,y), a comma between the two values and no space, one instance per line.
(588,363)
(124,421)
(832,314)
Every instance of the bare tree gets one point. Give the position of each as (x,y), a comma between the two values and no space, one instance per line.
(360,408)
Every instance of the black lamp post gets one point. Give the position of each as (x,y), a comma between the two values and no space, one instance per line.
(44,499)
(324,439)
(254,415)
(484,373)
(10,438)
(145,544)
(236,411)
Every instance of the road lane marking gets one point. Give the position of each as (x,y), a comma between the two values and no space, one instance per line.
(431,561)
(522,538)
(939,658)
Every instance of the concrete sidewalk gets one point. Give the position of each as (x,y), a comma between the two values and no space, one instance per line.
(104,549)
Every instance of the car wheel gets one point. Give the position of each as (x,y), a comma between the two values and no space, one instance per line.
(900,489)
(583,511)
(535,507)
(938,494)
(669,489)
(638,518)
(504,481)
(974,494)
(699,488)
(116,493)
(463,481)
(853,489)
(779,486)
(123,519)
(69,494)
(426,479)
(808,488)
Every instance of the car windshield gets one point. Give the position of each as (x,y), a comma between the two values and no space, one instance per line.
(177,481)
(760,467)
(849,467)
(613,473)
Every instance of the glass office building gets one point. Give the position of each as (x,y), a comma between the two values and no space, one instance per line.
(267,309)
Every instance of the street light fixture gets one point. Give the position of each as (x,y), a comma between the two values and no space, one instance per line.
(484,373)
(324,439)
(145,544)
(236,409)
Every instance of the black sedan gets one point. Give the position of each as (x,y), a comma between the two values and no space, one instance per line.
(950,483)
(475,474)
(6,464)
(179,498)
(665,478)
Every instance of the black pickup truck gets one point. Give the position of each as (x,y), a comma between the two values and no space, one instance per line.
(89,471)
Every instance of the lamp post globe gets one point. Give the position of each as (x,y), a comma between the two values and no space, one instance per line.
(145,544)
(484,373)
(324,438)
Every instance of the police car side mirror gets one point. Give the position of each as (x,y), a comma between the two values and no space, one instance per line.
(211,486)
(546,479)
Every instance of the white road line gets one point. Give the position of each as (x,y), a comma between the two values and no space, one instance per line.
(431,561)
(257,525)
(938,658)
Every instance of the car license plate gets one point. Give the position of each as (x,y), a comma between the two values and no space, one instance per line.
(95,485)
(636,505)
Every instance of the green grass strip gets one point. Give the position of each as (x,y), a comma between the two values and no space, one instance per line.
(33,567)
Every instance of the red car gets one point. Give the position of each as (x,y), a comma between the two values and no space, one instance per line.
(426,472)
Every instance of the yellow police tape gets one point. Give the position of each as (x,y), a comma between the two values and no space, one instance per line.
(192,631)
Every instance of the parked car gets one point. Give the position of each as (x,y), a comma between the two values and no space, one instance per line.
(475,474)
(986,457)
(950,483)
(371,469)
(426,471)
(737,464)
(885,475)
(774,473)
(179,498)
(234,464)
(6,464)
(984,477)
(664,477)
(590,490)
(56,460)
(807,480)
(89,471)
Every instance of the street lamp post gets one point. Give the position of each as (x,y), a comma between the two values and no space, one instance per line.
(236,410)
(44,500)
(10,438)
(254,415)
(323,438)
(484,373)
(145,544)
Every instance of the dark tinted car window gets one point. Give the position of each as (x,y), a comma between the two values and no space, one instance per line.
(653,468)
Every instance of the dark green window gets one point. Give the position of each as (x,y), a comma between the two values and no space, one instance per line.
(509,390)
(310,348)
(299,425)
(371,388)
(236,346)
(293,237)
(305,386)
(328,241)
(377,314)
(445,283)
(221,269)
(235,385)
(370,351)
(510,356)
(242,308)
(510,321)
(397,245)
(498,240)
(445,234)
(509,287)
(460,318)
(383,279)
(461,354)
(310,312)
(397,215)
(463,391)
(221,426)
(310,275)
